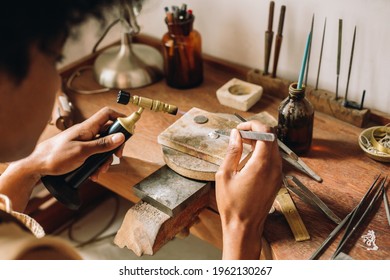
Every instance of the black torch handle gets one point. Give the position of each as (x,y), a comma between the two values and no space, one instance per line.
(76,177)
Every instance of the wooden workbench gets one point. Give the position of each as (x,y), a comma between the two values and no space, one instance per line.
(335,156)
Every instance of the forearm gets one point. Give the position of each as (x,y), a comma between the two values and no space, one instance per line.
(241,241)
(18,181)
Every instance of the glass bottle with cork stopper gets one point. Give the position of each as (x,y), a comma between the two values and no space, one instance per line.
(295,120)
(182,51)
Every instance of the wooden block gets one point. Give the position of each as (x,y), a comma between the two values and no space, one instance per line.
(193,138)
(322,100)
(139,228)
(146,229)
(325,101)
(292,216)
(272,86)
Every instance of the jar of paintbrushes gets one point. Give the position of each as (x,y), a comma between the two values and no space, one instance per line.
(182,49)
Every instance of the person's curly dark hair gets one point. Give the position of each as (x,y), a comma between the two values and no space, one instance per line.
(23,22)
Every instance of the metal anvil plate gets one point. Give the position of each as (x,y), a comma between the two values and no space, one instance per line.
(168,191)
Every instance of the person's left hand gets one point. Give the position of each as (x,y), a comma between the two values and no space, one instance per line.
(69,149)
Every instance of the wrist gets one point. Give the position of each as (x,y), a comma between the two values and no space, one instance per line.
(18,181)
(241,239)
(27,168)
(22,174)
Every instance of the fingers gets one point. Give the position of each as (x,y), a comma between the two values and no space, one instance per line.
(262,150)
(119,151)
(102,169)
(254,126)
(94,124)
(103,144)
(234,152)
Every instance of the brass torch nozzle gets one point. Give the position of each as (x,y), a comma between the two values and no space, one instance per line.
(147,103)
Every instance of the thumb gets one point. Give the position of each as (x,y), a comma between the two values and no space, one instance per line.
(104,144)
(234,152)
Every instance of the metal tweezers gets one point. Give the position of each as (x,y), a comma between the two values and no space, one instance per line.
(354,218)
(289,156)
(309,197)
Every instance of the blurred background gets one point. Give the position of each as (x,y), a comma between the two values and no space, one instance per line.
(234,31)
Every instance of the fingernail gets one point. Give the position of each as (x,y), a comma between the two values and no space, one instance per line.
(117,138)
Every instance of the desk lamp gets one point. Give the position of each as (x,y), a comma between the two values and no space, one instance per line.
(128,65)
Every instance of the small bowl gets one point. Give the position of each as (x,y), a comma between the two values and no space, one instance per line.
(367,133)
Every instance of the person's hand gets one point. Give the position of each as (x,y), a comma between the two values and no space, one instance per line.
(244,197)
(69,149)
(59,155)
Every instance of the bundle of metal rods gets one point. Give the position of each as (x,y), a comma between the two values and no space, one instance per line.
(356,216)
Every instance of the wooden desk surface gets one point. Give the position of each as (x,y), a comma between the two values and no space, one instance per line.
(335,156)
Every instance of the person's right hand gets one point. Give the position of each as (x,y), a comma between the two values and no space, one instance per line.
(69,149)
(59,155)
(244,197)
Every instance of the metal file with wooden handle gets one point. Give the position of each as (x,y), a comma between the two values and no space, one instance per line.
(269,35)
(278,40)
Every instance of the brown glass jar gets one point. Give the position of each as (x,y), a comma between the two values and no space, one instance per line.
(295,120)
(182,49)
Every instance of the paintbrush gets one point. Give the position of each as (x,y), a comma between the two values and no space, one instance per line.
(309,51)
(345,103)
(269,34)
(304,60)
(322,47)
(339,56)
(278,40)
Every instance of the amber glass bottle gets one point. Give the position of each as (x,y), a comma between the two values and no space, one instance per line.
(295,120)
(182,48)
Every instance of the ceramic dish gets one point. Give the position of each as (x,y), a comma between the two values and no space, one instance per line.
(366,146)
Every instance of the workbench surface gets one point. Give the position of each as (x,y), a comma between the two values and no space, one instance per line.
(335,155)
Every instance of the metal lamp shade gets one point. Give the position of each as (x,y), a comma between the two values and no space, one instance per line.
(128,65)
